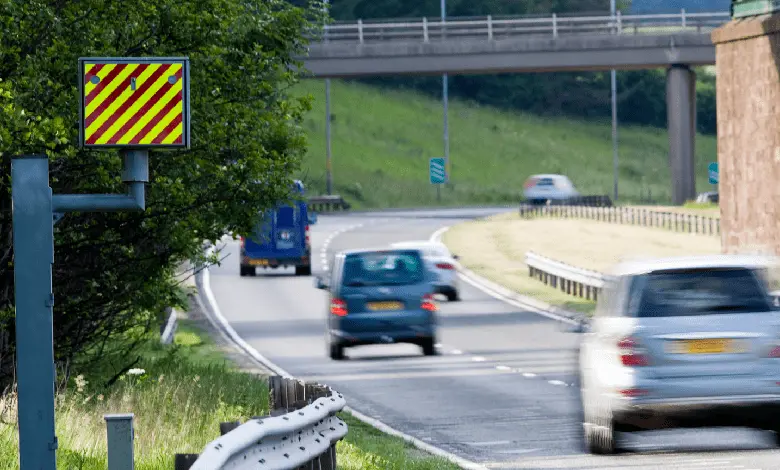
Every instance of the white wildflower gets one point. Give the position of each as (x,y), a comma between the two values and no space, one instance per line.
(136,372)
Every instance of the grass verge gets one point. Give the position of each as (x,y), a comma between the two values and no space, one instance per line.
(495,248)
(186,390)
(382,140)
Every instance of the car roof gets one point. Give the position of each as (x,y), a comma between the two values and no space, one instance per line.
(637,267)
(548,175)
(357,251)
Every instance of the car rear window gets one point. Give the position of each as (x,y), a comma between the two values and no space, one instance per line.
(701,292)
(385,268)
(545,182)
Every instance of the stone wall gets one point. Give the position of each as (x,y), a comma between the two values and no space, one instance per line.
(748,107)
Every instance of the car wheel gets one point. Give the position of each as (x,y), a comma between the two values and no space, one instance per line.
(452,296)
(429,347)
(601,433)
(336,351)
(247,271)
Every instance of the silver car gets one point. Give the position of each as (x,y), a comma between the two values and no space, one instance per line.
(441,262)
(681,342)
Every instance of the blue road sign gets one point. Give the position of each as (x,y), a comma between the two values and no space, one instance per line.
(712,171)
(437,171)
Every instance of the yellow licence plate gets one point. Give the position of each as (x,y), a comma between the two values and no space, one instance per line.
(258,262)
(704,346)
(385,306)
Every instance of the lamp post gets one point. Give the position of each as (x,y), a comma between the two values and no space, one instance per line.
(445,102)
(613,87)
(328,168)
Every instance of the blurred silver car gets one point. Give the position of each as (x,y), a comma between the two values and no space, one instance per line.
(538,189)
(439,260)
(681,342)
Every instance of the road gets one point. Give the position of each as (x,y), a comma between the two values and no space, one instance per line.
(500,391)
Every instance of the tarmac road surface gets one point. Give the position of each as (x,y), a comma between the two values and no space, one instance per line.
(499,393)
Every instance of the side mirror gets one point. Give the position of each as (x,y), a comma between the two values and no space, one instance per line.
(312,218)
(320,283)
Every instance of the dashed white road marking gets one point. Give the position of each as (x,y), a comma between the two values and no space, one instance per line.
(478,359)
(529,374)
(556,382)
(456,351)
(503,368)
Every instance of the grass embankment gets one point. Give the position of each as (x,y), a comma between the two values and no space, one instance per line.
(186,391)
(495,248)
(382,140)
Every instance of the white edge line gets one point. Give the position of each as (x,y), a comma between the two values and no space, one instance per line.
(485,286)
(254,354)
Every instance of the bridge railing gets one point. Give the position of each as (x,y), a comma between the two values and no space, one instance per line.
(497,28)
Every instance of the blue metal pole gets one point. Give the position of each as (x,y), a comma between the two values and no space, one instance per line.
(33,257)
(445,99)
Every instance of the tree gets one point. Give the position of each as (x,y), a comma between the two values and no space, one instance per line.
(113,273)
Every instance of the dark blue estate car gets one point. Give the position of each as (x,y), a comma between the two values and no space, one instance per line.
(380,296)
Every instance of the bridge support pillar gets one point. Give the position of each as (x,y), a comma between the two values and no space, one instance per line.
(681,118)
(748,90)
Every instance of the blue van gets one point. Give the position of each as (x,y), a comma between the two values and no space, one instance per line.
(280,239)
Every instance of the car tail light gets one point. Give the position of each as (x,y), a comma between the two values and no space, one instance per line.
(445,266)
(633,392)
(429,303)
(530,183)
(338,307)
(307,235)
(631,354)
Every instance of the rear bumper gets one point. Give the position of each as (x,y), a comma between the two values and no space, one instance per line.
(762,411)
(413,334)
(304,260)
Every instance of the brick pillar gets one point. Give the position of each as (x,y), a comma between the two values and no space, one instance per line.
(748,108)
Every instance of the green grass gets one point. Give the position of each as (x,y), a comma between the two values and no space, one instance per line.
(382,140)
(186,391)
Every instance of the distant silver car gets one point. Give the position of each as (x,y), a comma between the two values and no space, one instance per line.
(441,262)
(538,189)
(681,342)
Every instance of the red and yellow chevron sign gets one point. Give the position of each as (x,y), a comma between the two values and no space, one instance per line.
(134,103)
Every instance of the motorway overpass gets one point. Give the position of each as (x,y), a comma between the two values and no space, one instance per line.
(543,44)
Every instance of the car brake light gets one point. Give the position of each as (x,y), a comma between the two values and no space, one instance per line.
(307,235)
(338,307)
(530,183)
(633,392)
(429,303)
(445,266)
(631,354)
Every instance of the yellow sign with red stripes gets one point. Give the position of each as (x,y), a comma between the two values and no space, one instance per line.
(134,102)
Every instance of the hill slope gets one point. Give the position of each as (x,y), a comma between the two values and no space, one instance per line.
(382,140)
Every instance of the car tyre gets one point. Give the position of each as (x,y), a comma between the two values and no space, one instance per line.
(247,271)
(336,351)
(429,347)
(601,433)
(452,296)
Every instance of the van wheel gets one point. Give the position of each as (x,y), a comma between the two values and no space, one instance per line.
(303,270)
(429,347)
(247,271)
(452,296)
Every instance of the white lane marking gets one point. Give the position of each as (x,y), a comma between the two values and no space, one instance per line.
(556,382)
(438,345)
(518,451)
(503,368)
(478,359)
(456,351)
(382,427)
(529,374)
(488,443)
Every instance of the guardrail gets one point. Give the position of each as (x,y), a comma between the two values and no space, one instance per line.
(301,432)
(638,216)
(570,279)
(496,28)
(328,203)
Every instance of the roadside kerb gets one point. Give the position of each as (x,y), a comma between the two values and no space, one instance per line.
(641,217)
(213,311)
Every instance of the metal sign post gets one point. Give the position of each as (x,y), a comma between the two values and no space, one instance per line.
(713,174)
(128,103)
